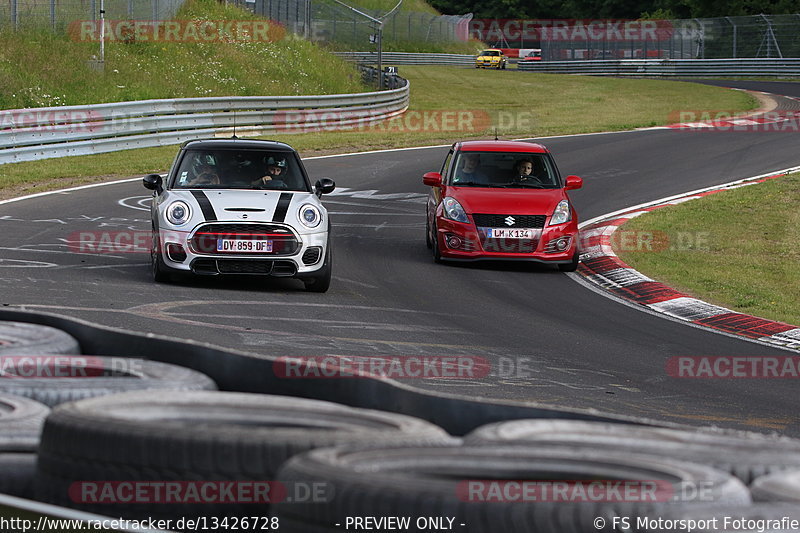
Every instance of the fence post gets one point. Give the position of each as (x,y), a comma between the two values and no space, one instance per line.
(733,24)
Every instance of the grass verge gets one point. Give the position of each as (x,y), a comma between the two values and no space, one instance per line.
(529,105)
(737,248)
(41,68)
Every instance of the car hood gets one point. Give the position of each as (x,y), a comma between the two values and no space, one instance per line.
(251,205)
(507,201)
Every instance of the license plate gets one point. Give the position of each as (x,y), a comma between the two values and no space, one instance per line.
(510,233)
(242,245)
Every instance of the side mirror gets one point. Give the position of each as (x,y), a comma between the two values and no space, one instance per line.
(432,179)
(573,182)
(324,186)
(153,182)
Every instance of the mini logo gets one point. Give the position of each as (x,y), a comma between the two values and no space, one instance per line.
(509,220)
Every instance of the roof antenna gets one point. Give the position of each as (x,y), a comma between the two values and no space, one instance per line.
(495,135)
(234,125)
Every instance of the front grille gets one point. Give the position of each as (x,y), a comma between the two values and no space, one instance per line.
(312,255)
(509,246)
(499,221)
(265,267)
(233,266)
(204,240)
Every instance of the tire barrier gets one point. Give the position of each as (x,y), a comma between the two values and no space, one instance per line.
(21,421)
(742,454)
(240,371)
(17,338)
(196,436)
(473,486)
(66,379)
(777,487)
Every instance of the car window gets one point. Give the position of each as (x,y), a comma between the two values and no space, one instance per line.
(239,169)
(490,53)
(502,170)
(446,163)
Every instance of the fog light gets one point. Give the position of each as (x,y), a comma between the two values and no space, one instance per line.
(176,253)
(453,241)
(558,245)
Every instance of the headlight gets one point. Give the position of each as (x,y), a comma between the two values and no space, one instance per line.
(310,216)
(178,213)
(561,214)
(454,211)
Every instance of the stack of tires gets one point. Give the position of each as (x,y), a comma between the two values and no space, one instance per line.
(152,440)
(40,368)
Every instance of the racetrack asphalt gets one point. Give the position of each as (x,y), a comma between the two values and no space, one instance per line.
(549,339)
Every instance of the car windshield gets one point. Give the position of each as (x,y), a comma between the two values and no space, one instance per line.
(511,170)
(240,169)
(490,53)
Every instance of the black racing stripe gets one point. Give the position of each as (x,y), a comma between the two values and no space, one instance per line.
(282,207)
(205,205)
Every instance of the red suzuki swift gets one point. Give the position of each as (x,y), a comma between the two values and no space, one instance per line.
(502,200)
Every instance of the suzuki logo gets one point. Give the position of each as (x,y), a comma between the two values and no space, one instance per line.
(509,220)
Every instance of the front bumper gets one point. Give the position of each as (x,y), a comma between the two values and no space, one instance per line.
(179,253)
(466,242)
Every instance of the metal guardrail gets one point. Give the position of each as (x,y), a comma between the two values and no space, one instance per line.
(41,133)
(668,67)
(408,58)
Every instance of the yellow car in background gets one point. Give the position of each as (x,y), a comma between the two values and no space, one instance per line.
(491,58)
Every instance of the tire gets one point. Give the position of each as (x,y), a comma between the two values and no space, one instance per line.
(158,269)
(21,422)
(199,436)
(18,338)
(322,282)
(437,254)
(572,266)
(435,481)
(707,513)
(741,454)
(777,487)
(102,376)
(428,241)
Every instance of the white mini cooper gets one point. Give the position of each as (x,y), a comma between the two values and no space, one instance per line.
(237,206)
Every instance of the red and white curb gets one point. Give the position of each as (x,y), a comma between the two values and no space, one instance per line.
(761,121)
(601,267)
